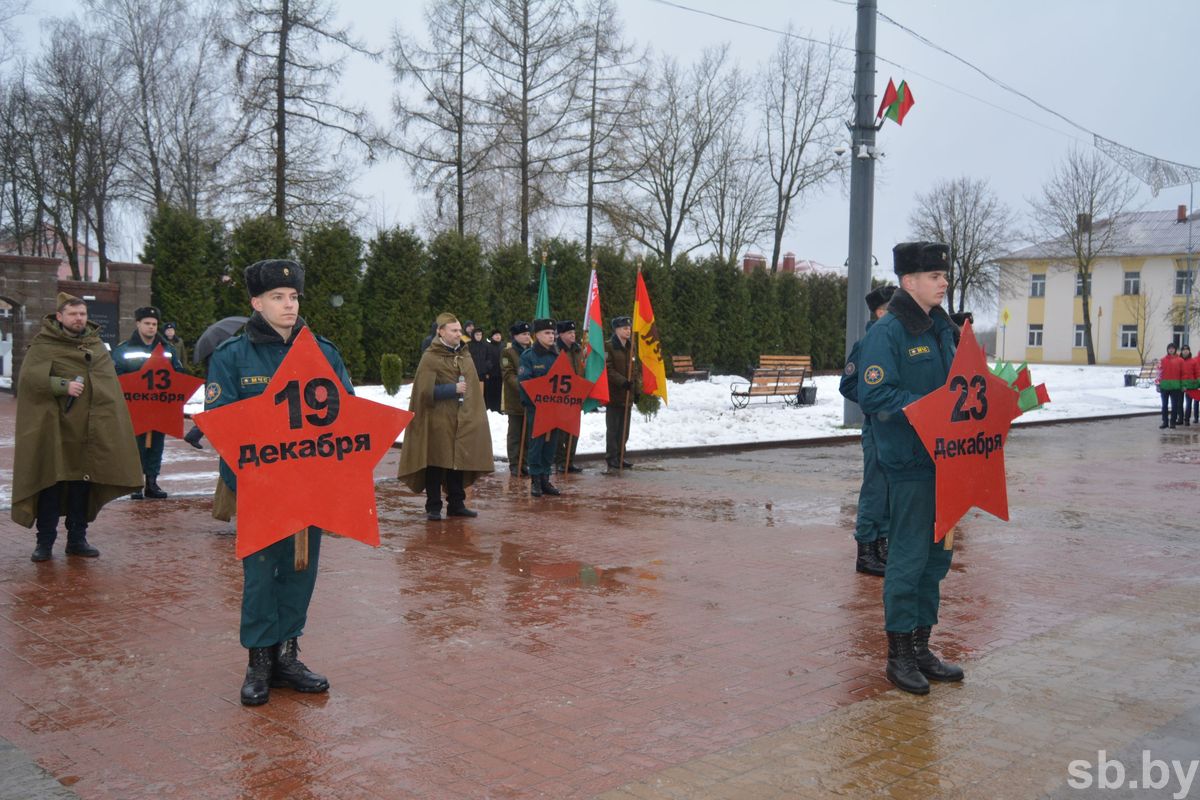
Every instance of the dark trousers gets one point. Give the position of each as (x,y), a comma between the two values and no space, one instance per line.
(516,442)
(1174,399)
(150,448)
(275,596)
(50,508)
(540,449)
(1191,409)
(456,496)
(916,564)
(872,522)
(616,433)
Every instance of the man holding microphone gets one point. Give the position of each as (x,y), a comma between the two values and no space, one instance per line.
(74,441)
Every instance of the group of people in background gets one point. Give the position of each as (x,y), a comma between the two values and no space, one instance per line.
(1178,373)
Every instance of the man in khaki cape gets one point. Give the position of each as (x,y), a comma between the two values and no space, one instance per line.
(74,445)
(448,441)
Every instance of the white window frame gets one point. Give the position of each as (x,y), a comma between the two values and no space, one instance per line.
(1035,332)
(1037,284)
(1129,337)
(1080,335)
(1134,278)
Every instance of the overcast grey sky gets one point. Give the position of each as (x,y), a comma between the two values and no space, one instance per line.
(1116,67)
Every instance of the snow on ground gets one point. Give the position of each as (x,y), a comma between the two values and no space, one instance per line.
(699,412)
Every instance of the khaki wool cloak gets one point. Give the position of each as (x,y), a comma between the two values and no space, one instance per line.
(92,442)
(446,433)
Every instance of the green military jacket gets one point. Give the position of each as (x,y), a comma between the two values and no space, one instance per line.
(616,360)
(510,365)
(904,356)
(130,354)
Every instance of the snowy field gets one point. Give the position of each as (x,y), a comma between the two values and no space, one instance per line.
(700,413)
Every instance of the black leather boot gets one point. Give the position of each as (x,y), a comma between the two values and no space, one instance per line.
(77,545)
(902,664)
(930,665)
(42,551)
(152,491)
(881,549)
(535,486)
(289,671)
(867,562)
(193,438)
(461,511)
(256,689)
(548,487)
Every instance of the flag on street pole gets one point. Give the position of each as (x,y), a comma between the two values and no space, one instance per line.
(594,369)
(896,102)
(654,372)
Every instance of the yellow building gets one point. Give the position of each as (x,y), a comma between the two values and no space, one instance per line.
(1138,292)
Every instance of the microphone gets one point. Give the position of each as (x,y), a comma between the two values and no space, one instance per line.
(462,397)
(71,399)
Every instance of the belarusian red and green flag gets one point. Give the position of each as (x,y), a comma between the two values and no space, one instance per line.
(593,331)
(649,348)
(1029,397)
(896,102)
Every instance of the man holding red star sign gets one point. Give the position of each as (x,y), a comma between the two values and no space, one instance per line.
(906,356)
(558,398)
(299,449)
(156,393)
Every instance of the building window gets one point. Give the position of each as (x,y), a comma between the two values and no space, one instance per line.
(1129,336)
(1133,283)
(1079,285)
(1079,336)
(1037,284)
(1182,282)
(1179,335)
(1035,335)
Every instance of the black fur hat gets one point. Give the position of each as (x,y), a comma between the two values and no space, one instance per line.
(910,257)
(621,322)
(147,311)
(540,325)
(518,327)
(564,325)
(263,276)
(879,296)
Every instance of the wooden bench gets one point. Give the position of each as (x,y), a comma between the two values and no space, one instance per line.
(775,376)
(1144,376)
(682,369)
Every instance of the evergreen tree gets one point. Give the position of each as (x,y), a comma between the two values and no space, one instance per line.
(395,300)
(737,346)
(694,297)
(180,286)
(568,274)
(764,306)
(457,278)
(332,257)
(827,312)
(616,275)
(791,298)
(513,293)
(659,283)
(254,239)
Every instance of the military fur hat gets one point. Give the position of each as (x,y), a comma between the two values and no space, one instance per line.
(621,322)
(880,296)
(518,327)
(564,325)
(263,276)
(66,299)
(147,311)
(910,257)
(540,325)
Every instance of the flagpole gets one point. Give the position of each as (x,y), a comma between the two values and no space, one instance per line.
(629,377)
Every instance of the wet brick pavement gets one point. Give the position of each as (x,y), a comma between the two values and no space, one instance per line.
(695,629)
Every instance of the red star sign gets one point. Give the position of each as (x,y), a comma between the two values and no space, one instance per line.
(557,398)
(156,394)
(964,426)
(304,452)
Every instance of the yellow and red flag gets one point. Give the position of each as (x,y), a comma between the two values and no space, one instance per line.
(654,372)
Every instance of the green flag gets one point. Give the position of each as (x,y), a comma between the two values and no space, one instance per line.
(543,301)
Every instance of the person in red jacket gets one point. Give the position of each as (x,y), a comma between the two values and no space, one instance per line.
(1170,384)
(1191,382)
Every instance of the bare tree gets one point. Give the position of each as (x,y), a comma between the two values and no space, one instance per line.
(805,98)
(9,9)
(966,215)
(528,49)
(286,79)
(440,131)
(1077,220)
(670,147)
(1142,308)
(737,208)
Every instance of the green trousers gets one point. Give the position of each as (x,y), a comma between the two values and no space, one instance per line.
(150,448)
(916,564)
(274,595)
(872,522)
(539,450)
(515,422)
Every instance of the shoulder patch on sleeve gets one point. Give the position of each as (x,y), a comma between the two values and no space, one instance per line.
(850,367)
(873,375)
(212,392)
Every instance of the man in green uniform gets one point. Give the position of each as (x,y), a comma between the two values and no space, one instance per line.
(275,596)
(624,388)
(129,356)
(871,526)
(567,344)
(510,401)
(448,443)
(536,362)
(905,356)
(74,441)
